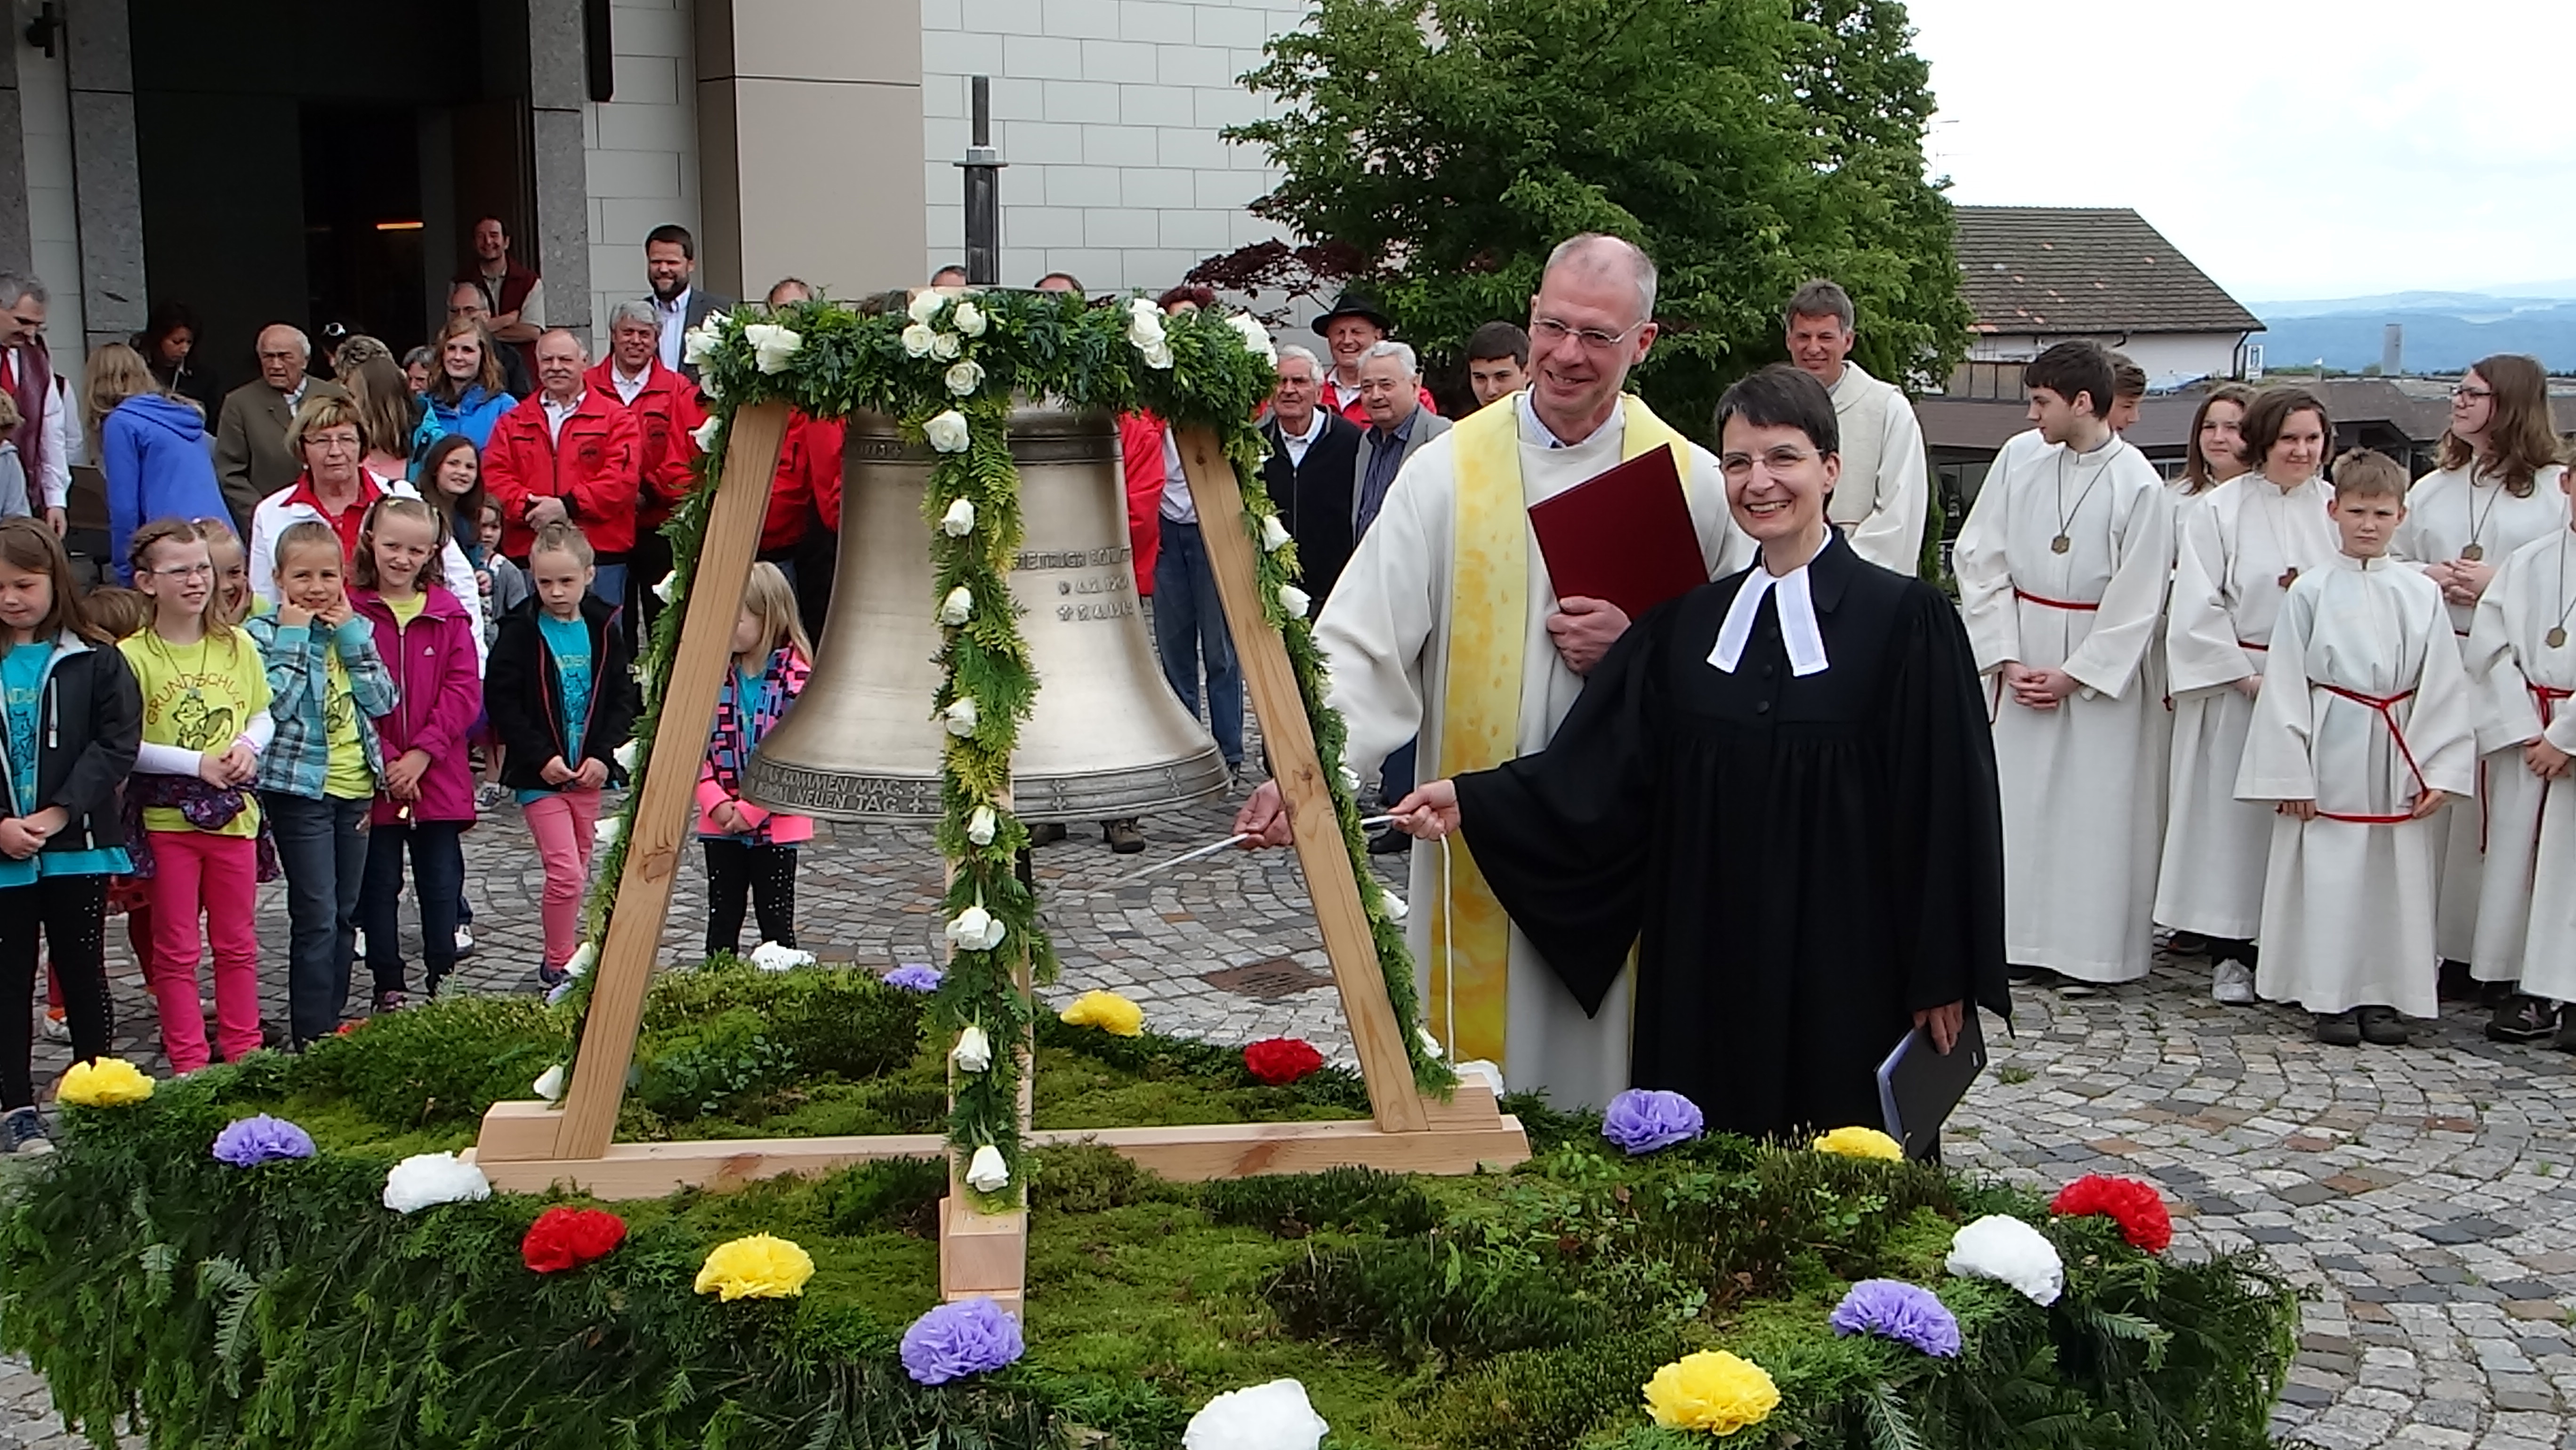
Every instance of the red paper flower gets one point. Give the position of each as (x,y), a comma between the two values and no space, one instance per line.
(1279,1060)
(567,1238)
(2136,1207)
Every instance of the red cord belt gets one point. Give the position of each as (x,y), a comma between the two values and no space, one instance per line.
(2044,602)
(2385,707)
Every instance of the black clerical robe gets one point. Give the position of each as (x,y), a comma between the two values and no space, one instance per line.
(1801,862)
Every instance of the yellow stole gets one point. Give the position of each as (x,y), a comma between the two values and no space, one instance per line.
(1480,709)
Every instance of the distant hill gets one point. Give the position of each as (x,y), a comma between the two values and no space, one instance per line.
(2445,331)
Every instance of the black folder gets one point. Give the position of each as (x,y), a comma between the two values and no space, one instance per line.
(1919,1085)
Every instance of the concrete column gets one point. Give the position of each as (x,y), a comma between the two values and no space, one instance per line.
(17,244)
(810,144)
(556,95)
(107,178)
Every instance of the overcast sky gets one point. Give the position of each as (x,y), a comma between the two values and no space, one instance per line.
(2294,149)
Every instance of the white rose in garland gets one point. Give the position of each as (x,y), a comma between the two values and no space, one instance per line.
(918,339)
(977,930)
(1275,1416)
(959,521)
(1274,534)
(925,306)
(986,1172)
(2009,1251)
(958,607)
(968,319)
(772,345)
(669,586)
(960,716)
(965,378)
(946,433)
(1157,355)
(1295,600)
(1430,1044)
(1257,338)
(973,1052)
(982,826)
(626,755)
(946,346)
(704,435)
(550,1084)
(581,959)
(710,387)
(699,343)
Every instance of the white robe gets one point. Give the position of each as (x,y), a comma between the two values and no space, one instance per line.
(2446,510)
(2524,935)
(2081,789)
(1385,637)
(2234,542)
(1886,484)
(2348,904)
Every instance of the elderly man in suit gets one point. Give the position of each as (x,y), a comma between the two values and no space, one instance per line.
(1390,391)
(671,266)
(1310,469)
(44,431)
(251,460)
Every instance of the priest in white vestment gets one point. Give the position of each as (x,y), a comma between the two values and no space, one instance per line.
(2062,567)
(1444,625)
(1885,490)
(2522,669)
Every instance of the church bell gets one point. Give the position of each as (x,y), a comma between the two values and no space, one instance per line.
(1107,738)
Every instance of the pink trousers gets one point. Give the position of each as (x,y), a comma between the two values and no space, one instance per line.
(193,873)
(565,825)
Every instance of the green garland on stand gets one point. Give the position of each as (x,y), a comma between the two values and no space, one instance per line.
(946,365)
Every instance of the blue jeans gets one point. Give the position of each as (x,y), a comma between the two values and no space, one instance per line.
(608,583)
(438,880)
(1189,630)
(1395,778)
(323,846)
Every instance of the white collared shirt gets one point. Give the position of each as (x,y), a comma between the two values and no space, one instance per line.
(557,412)
(1299,443)
(1799,633)
(628,388)
(675,321)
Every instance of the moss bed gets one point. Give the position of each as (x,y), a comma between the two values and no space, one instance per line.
(284,1306)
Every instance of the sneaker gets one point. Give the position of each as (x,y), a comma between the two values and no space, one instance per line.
(464,942)
(491,796)
(2231,983)
(1389,842)
(2456,984)
(2340,1029)
(56,1029)
(2186,943)
(552,977)
(1046,833)
(2523,1019)
(1124,837)
(392,1001)
(2382,1027)
(22,1130)
(2070,988)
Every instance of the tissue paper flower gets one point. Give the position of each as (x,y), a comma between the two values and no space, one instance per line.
(977,930)
(952,1341)
(960,716)
(579,963)
(1107,1011)
(1295,600)
(986,1172)
(769,956)
(916,977)
(2135,1206)
(959,520)
(1713,1391)
(968,319)
(1274,537)
(917,339)
(772,346)
(965,378)
(2003,1248)
(567,1238)
(1281,1060)
(550,1084)
(755,1267)
(958,607)
(425,1180)
(107,1082)
(704,435)
(925,305)
(1477,1069)
(974,1050)
(982,826)
(1275,1416)
(627,754)
(261,1139)
(946,432)
(1641,1120)
(1907,1313)
(1860,1143)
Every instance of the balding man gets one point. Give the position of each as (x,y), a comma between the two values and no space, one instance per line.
(251,461)
(1444,624)
(571,452)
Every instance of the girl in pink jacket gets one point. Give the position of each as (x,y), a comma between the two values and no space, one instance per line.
(427,641)
(750,850)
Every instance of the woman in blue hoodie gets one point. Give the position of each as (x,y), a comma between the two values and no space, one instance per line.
(152,449)
(465,395)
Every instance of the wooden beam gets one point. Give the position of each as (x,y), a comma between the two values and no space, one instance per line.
(667,810)
(1290,740)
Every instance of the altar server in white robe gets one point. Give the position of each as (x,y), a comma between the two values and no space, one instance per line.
(2363,731)
(2522,666)
(2498,488)
(2241,545)
(1885,490)
(2062,567)
(1444,625)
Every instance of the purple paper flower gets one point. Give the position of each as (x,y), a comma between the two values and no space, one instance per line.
(953,1341)
(1907,1313)
(249,1141)
(915,977)
(1642,1120)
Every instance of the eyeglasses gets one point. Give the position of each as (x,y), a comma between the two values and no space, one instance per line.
(332,442)
(1548,332)
(2470,393)
(1778,460)
(185,571)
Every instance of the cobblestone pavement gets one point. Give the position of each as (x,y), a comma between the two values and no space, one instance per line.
(2420,1198)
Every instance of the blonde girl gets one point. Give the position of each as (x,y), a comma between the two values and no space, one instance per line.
(749,850)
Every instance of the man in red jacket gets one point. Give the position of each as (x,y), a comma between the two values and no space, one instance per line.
(804,493)
(667,412)
(571,452)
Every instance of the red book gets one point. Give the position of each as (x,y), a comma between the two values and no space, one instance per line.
(1624,535)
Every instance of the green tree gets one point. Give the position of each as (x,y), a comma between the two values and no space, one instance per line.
(1747,145)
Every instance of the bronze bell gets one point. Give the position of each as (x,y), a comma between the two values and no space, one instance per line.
(1107,738)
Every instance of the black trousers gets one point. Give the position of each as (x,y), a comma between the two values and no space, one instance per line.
(646,563)
(72,912)
(767,874)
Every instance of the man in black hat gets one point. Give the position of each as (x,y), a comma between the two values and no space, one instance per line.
(1350,330)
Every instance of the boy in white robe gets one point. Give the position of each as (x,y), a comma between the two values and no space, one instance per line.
(2362,731)
(2522,668)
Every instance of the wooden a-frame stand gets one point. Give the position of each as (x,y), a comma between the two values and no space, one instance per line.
(530,1146)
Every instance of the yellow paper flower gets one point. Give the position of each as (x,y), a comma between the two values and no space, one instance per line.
(757,1267)
(1860,1143)
(109,1082)
(1713,1391)
(1107,1011)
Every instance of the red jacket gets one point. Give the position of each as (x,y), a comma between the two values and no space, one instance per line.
(595,468)
(666,413)
(1140,450)
(807,485)
(1348,403)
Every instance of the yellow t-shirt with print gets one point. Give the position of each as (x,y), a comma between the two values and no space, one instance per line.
(198,697)
(346,776)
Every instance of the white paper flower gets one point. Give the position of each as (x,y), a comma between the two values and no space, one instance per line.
(581,960)
(2009,1251)
(704,435)
(925,306)
(425,1180)
(1274,534)
(769,956)
(986,1172)
(1157,355)
(699,343)
(1396,910)
(1430,1044)
(1144,320)
(1295,600)
(946,346)
(1477,1069)
(981,826)
(965,378)
(1275,1416)
(1350,778)
(550,1083)
(946,432)
(959,521)
(917,340)
(1255,336)
(627,754)
(958,606)
(669,586)
(968,319)
(973,1052)
(710,387)
(960,716)
(977,930)
(772,346)
(608,830)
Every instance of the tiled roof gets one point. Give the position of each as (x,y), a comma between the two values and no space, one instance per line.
(2064,270)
